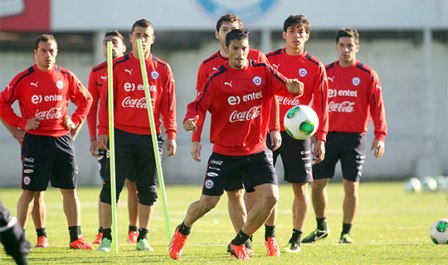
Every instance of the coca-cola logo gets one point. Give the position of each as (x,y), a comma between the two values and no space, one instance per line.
(51,114)
(129,102)
(344,106)
(248,115)
(289,101)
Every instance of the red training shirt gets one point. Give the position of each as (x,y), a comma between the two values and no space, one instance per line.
(354,94)
(97,82)
(45,95)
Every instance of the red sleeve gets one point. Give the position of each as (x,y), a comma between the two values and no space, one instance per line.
(7,97)
(274,118)
(168,105)
(103,112)
(202,76)
(82,98)
(320,102)
(377,110)
(92,116)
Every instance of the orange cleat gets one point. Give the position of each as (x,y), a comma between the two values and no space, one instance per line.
(42,242)
(177,244)
(98,238)
(132,237)
(272,247)
(238,251)
(81,243)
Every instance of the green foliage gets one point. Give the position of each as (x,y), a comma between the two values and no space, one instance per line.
(392,227)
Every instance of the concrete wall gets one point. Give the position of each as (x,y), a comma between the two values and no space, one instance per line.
(415,138)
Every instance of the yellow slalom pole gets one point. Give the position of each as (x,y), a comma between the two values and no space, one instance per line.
(154,138)
(110,108)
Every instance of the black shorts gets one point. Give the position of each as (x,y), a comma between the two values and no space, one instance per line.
(46,158)
(296,157)
(102,163)
(134,159)
(224,173)
(347,147)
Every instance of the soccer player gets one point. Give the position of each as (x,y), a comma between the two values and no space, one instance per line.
(294,61)
(43,91)
(354,96)
(39,211)
(133,144)
(98,82)
(239,97)
(235,194)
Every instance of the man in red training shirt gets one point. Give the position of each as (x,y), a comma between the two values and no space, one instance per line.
(133,145)
(354,95)
(43,91)
(239,97)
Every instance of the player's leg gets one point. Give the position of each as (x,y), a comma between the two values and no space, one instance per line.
(352,161)
(102,159)
(236,207)
(24,207)
(65,177)
(219,170)
(39,217)
(132,211)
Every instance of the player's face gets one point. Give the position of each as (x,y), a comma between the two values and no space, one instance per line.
(225,28)
(238,51)
(147,37)
(45,55)
(296,37)
(347,49)
(118,47)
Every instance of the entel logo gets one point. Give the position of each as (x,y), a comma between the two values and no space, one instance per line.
(129,87)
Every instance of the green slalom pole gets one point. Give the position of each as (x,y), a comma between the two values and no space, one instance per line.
(110,103)
(154,137)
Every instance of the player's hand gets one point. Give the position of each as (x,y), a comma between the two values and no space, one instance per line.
(32,124)
(171,147)
(18,134)
(319,151)
(196,151)
(295,86)
(102,142)
(377,148)
(276,140)
(94,148)
(69,124)
(190,124)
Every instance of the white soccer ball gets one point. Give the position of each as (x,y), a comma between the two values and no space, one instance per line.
(429,184)
(442,183)
(413,185)
(301,122)
(439,232)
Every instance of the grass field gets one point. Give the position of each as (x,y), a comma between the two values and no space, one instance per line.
(391,227)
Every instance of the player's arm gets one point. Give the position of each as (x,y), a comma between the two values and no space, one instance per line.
(274,125)
(92,116)
(378,114)
(16,133)
(320,105)
(7,114)
(82,98)
(168,111)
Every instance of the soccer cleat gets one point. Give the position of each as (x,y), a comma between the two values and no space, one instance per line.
(143,245)
(249,249)
(42,242)
(80,243)
(238,251)
(105,245)
(292,248)
(272,247)
(177,244)
(346,239)
(132,237)
(316,235)
(98,238)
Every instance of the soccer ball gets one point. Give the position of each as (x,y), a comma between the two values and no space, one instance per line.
(439,232)
(301,122)
(429,184)
(413,185)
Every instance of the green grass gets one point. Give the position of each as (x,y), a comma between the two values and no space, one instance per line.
(391,227)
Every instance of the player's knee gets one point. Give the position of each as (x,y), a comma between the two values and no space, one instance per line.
(206,205)
(147,195)
(105,194)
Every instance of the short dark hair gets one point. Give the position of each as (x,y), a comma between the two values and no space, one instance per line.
(300,20)
(115,33)
(144,23)
(237,34)
(43,38)
(348,32)
(229,17)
